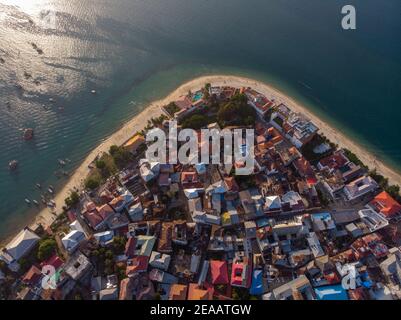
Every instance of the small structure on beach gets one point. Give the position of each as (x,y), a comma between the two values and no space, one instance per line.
(134,143)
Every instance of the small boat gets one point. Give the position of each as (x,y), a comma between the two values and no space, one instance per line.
(44,200)
(38,185)
(28,134)
(51,191)
(61,162)
(49,204)
(12,165)
(51,100)
(27,201)
(52,203)
(93,91)
(35,202)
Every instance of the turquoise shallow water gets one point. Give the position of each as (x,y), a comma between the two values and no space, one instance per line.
(133,52)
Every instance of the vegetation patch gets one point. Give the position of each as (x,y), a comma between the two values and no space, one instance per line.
(236,112)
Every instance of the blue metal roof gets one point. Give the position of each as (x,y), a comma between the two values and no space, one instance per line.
(336,292)
(257,284)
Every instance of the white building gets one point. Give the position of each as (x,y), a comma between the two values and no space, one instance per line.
(360,187)
(72,240)
(159,260)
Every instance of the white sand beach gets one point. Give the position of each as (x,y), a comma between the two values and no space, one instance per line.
(45,217)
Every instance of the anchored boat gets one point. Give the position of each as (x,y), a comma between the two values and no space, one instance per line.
(12,165)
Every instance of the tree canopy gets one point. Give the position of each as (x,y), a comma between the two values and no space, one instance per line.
(72,200)
(120,155)
(195,122)
(46,249)
(236,112)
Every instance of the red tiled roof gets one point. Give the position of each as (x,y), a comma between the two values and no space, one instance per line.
(219,272)
(304,168)
(231,184)
(334,161)
(130,247)
(117,202)
(358,294)
(332,278)
(137,264)
(189,177)
(241,274)
(183,102)
(105,211)
(94,219)
(71,216)
(126,289)
(32,276)
(178,292)
(54,261)
(90,206)
(385,204)
(197,293)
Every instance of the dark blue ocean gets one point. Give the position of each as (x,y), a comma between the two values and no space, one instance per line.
(136,51)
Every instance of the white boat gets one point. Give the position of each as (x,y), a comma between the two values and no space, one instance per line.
(35,202)
(93,91)
(50,190)
(27,201)
(12,165)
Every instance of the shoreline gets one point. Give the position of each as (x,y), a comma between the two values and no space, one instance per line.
(153,110)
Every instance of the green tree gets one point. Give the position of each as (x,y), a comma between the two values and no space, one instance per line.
(236,112)
(120,155)
(3,266)
(172,108)
(196,121)
(46,249)
(109,266)
(72,200)
(394,191)
(109,255)
(119,244)
(100,164)
(92,183)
